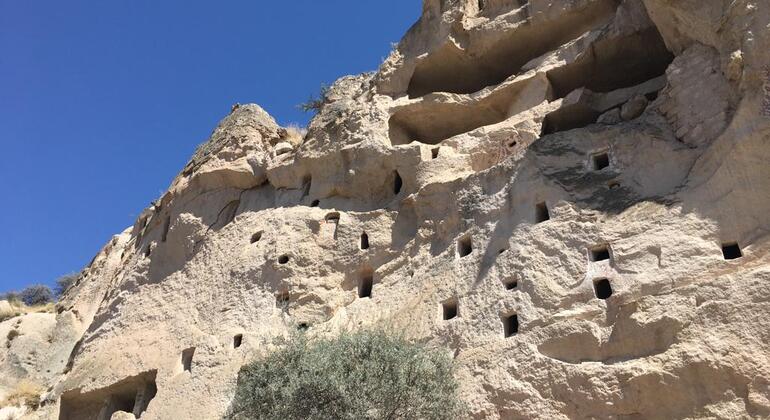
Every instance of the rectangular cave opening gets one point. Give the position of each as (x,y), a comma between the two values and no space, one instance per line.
(131,395)
(600,161)
(187,359)
(602,288)
(364,241)
(511,284)
(449,309)
(365,285)
(600,253)
(731,251)
(510,325)
(464,246)
(237,340)
(541,212)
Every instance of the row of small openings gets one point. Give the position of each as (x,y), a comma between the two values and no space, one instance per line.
(189,354)
(398,184)
(330,218)
(465,244)
(603,287)
(335,218)
(450,310)
(730,251)
(283,259)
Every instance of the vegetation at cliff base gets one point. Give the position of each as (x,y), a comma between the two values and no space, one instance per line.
(33,299)
(364,375)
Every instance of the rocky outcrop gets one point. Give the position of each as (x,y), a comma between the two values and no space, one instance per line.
(581,185)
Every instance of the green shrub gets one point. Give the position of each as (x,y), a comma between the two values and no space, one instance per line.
(36,295)
(366,375)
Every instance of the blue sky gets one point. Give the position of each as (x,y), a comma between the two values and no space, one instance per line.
(103,102)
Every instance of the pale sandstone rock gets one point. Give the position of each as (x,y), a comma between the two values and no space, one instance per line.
(5,309)
(12,413)
(472,164)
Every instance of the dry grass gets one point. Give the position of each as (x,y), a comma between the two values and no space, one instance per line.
(19,308)
(295,134)
(26,393)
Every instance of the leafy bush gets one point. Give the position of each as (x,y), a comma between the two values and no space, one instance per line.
(65,282)
(366,375)
(36,295)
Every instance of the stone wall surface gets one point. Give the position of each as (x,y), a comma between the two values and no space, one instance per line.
(517,157)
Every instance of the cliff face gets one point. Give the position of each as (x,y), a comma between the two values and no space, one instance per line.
(584,182)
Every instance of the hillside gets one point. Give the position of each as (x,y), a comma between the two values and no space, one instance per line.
(571,197)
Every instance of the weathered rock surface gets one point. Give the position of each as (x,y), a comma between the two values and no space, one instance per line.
(588,262)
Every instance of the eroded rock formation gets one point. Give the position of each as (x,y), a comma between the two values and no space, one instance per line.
(570,196)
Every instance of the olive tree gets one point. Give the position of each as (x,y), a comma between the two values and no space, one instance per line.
(365,375)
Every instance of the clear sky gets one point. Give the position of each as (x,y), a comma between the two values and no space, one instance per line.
(103,102)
